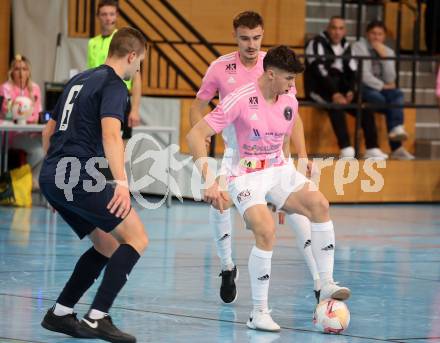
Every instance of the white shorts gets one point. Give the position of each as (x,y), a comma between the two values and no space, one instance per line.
(272,185)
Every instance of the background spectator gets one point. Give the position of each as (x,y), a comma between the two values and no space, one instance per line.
(379,87)
(98,46)
(332,80)
(20,84)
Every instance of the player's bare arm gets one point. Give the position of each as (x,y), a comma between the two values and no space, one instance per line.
(114,152)
(298,138)
(299,141)
(134,116)
(196,113)
(196,110)
(48,131)
(196,138)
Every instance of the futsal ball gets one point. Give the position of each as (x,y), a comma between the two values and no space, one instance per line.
(331,316)
(22,108)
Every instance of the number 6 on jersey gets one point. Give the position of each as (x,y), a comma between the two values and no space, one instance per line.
(68,106)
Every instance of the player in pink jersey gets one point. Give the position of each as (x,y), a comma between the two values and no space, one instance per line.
(224,75)
(262,116)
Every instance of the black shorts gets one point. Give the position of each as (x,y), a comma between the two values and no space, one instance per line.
(86,212)
(127,130)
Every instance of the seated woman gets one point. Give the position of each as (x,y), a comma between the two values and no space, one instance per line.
(20,84)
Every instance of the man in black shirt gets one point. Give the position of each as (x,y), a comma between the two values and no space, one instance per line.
(85,131)
(330,77)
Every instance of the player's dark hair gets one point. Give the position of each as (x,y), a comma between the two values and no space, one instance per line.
(125,41)
(376,23)
(283,58)
(248,19)
(103,3)
(333,17)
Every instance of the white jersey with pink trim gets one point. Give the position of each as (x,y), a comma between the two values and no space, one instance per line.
(257,128)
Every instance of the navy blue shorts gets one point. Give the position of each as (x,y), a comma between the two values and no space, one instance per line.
(86,212)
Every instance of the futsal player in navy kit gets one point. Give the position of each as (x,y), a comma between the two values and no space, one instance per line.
(85,127)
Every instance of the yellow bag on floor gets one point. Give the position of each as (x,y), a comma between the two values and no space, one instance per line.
(16,187)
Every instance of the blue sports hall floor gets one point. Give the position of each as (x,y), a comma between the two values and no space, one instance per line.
(389,255)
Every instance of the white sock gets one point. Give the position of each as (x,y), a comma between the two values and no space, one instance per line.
(61,310)
(96,314)
(259,272)
(302,226)
(222,230)
(323,247)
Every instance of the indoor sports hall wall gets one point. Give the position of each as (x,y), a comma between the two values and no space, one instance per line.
(5,20)
(35,35)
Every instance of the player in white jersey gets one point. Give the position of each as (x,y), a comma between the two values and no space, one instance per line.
(259,172)
(224,75)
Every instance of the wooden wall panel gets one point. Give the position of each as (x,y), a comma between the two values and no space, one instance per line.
(284,24)
(79,18)
(417,181)
(321,140)
(284,19)
(5,22)
(185,126)
(408,22)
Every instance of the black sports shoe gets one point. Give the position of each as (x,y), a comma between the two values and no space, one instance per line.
(228,290)
(68,324)
(105,330)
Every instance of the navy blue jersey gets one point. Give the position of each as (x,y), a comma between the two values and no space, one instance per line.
(87,98)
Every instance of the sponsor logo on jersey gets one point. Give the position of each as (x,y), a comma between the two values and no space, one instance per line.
(254,116)
(253,102)
(255,135)
(231,68)
(275,134)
